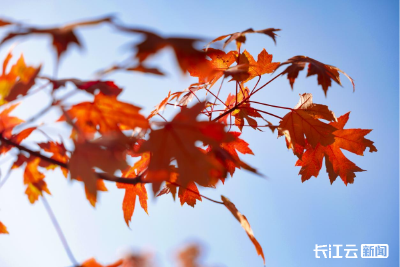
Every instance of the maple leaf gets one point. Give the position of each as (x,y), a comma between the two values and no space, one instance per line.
(3,229)
(160,107)
(239,72)
(263,65)
(185,53)
(303,122)
(16,139)
(108,88)
(240,37)
(128,204)
(189,194)
(8,123)
(244,223)
(243,112)
(211,70)
(33,178)
(187,95)
(325,73)
(93,263)
(17,81)
(239,145)
(62,37)
(139,190)
(59,153)
(104,115)
(336,162)
(4,22)
(176,141)
(190,256)
(105,154)
(100,186)
(143,69)
(138,68)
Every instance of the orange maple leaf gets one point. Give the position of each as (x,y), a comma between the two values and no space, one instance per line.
(108,88)
(4,22)
(191,256)
(240,37)
(138,68)
(244,223)
(185,53)
(62,37)
(336,162)
(211,70)
(17,81)
(187,95)
(143,69)
(303,122)
(8,123)
(239,145)
(33,178)
(108,155)
(93,263)
(160,107)
(59,153)
(3,229)
(105,115)
(176,141)
(243,112)
(262,66)
(189,194)
(131,191)
(129,202)
(17,139)
(326,73)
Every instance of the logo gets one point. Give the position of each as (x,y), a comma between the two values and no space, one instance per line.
(374,251)
(349,251)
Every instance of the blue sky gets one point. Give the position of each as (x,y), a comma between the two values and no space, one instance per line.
(288,217)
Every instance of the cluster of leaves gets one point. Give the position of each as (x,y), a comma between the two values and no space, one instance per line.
(112,140)
(190,255)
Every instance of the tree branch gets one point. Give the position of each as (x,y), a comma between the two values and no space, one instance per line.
(103,176)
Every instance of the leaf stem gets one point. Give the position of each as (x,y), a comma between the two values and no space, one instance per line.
(266,83)
(262,111)
(216,97)
(270,105)
(244,100)
(197,193)
(215,100)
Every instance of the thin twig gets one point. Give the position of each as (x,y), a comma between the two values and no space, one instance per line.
(161,116)
(33,118)
(4,180)
(215,100)
(244,100)
(197,193)
(216,97)
(270,105)
(262,111)
(247,125)
(266,83)
(59,231)
(254,88)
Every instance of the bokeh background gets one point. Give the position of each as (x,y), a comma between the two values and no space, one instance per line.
(288,217)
